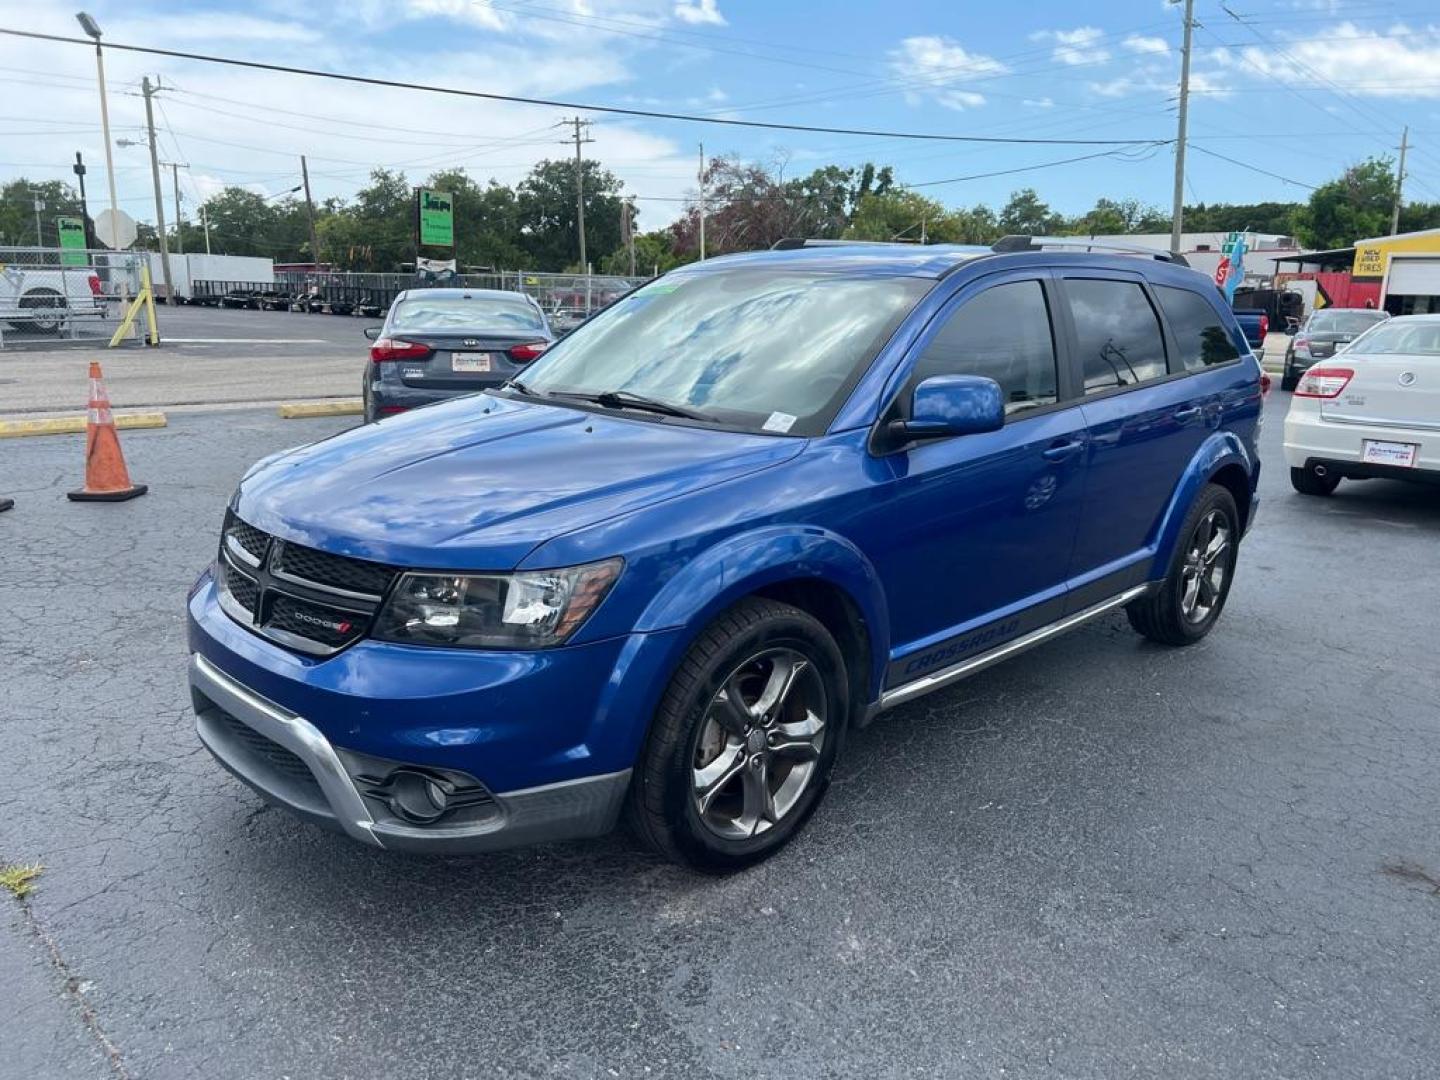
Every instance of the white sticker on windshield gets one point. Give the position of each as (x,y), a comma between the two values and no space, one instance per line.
(780,422)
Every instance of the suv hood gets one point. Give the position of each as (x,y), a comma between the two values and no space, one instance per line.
(478,482)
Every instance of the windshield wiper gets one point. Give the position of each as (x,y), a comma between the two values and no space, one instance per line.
(517,385)
(625,399)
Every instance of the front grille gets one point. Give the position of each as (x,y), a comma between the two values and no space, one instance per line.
(307,600)
(241,587)
(336,571)
(247,536)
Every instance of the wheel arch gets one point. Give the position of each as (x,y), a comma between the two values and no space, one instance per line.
(1223,459)
(810,568)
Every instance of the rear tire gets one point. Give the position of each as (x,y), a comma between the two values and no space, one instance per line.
(1307,482)
(42,299)
(1186,605)
(1289,382)
(725,781)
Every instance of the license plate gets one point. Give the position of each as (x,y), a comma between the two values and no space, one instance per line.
(470,361)
(1390,453)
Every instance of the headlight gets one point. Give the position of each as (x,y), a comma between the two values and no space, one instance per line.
(529,609)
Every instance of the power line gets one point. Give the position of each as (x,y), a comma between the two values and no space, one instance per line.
(653,114)
(1038,165)
(1255,168)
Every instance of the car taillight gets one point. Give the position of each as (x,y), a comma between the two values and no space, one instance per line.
(523,354)
(1302,343)
(395,349)
(1265,383)
(94,282)
(1264,326)
(1324,382)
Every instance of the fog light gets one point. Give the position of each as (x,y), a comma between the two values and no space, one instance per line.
(417,797)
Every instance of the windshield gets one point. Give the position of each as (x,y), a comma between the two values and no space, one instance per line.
(464,313)
(1343,322)
(764,349)
(1421,338)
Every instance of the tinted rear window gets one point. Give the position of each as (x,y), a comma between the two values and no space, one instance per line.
(1199,332)
(461,313)
(1117,332)
(1343,322)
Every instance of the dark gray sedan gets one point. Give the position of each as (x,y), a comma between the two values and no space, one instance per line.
(1322,335)
(439,343)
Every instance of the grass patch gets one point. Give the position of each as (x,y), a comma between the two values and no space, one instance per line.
(19,880)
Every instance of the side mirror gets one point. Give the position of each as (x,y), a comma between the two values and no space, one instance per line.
(945,405)
(373,332)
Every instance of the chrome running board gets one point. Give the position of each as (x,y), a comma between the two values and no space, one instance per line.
(965,668)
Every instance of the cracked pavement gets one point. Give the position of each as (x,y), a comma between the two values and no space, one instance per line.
(1103,858)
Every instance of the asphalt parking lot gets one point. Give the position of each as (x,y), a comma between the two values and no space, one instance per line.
(1102,859)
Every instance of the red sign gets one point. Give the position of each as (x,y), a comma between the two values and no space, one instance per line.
(1222,271)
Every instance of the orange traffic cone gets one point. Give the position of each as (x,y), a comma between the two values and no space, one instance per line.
(106,478)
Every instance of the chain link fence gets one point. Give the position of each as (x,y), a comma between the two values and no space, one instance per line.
(566,299)
(50,296)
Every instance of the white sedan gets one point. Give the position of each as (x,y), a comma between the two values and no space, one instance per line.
(1373,410)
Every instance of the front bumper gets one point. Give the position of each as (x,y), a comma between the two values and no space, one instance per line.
(291,763)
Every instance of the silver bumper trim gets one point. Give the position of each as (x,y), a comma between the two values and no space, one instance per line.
(570,809)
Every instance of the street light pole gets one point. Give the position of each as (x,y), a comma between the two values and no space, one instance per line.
(92,30)
(1177,207)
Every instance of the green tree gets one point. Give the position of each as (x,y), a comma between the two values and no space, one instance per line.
(1026,214)
(487,221)
(545,205)
(1111,216)
(903,215)
(17,211)
(1351,208)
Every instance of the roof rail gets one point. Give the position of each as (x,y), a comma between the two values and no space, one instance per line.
(1008,244)
(792,243)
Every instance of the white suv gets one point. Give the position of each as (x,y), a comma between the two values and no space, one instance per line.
(1372,411)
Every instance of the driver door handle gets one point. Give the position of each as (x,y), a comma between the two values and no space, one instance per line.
(1062,449)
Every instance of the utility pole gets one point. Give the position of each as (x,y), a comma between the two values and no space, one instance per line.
(205,221)
(1177,206)
(149,91)
(627,209)
(175,167)
(310,212)
(702,202)
(79,170)
(580,187)
(1399,181)
(39,236)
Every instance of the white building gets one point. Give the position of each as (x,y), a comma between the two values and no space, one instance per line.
(1202,250)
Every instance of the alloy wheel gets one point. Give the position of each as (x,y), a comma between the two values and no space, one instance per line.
(1206,566)
(759,743)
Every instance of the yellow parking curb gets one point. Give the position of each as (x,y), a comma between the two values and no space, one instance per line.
(294,410)
(74,425)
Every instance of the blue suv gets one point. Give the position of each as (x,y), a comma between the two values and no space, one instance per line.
(749,506)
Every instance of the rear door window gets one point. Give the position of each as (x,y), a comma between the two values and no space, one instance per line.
(1002,334)
(1199,332)
(1117,334)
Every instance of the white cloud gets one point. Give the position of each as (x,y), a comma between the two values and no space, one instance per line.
(482,15)
(249,127)
(1078,46)
(936,67)
(1400,63)
(696,12)
(1039,103)
(1140,43)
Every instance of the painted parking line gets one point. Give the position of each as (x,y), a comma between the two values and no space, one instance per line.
(295,410)
(74,425)
(247,341)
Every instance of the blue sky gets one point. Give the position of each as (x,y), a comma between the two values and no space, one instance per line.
(1298,88)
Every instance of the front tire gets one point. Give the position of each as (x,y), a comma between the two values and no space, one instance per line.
(1308,482)
(1184,608)
(742,746)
